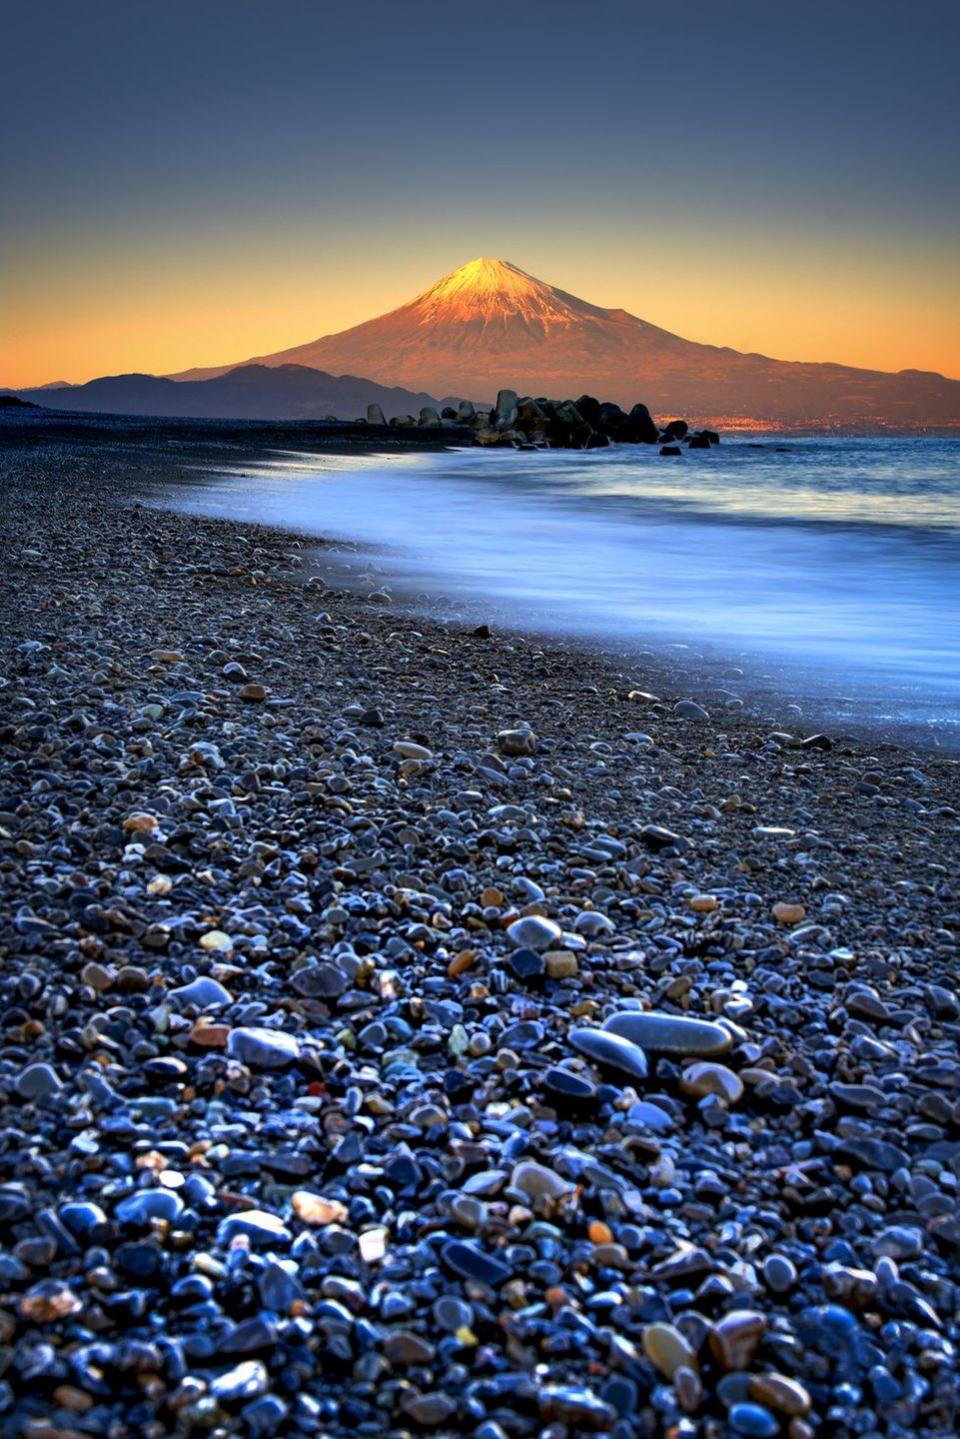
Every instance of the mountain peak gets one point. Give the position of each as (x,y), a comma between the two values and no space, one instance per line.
(486,291)
(483,274)
(483,287)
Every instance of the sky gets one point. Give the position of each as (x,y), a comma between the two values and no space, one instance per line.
(193,183)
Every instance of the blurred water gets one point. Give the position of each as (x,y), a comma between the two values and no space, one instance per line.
(833,563)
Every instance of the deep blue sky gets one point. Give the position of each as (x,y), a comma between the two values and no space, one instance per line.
(179,177)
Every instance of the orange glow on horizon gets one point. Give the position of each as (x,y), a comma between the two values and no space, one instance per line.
(145,310)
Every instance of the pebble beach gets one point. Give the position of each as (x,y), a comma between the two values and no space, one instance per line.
(414,1027)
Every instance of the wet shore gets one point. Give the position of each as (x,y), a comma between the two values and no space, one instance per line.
(348,965)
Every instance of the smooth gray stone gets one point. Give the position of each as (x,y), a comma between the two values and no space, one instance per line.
(263,1048)
(651,1116)
(470,1262)
(205,993)
(611,1051)
(257,1225)
(247,1381)
(149,1204)
(319,981)
(533,931)
(670,1033)
(871,1154)
(38,1081)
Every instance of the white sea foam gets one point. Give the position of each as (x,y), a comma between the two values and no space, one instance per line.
(830,563)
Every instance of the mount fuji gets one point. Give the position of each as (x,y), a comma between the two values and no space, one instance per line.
(490,325)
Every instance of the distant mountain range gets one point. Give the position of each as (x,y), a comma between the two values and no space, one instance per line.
(490,325)
(282,392)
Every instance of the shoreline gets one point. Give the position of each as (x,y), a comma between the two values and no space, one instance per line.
(263,998)
(721,674)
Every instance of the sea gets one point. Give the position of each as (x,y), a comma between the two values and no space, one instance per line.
(825,568)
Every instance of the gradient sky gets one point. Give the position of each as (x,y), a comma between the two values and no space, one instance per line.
(191,183)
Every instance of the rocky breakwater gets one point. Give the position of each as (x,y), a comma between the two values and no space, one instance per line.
(521,422)
(525,423)
(405,1029)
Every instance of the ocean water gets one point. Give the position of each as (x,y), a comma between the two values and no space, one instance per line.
(827,567)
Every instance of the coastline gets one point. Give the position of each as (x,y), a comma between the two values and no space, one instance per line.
(446,536)
(291,827)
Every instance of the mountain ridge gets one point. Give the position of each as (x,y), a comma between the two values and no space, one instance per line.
(489,324)
(291,392)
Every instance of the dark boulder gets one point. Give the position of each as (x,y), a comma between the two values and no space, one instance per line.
(532,420)
(675,430)
(698,442)
(529,412)
(595,441)
(504,416)
(670,450)
(612,419)
(567,412)
(590,410)
(640,428)
(566,428)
